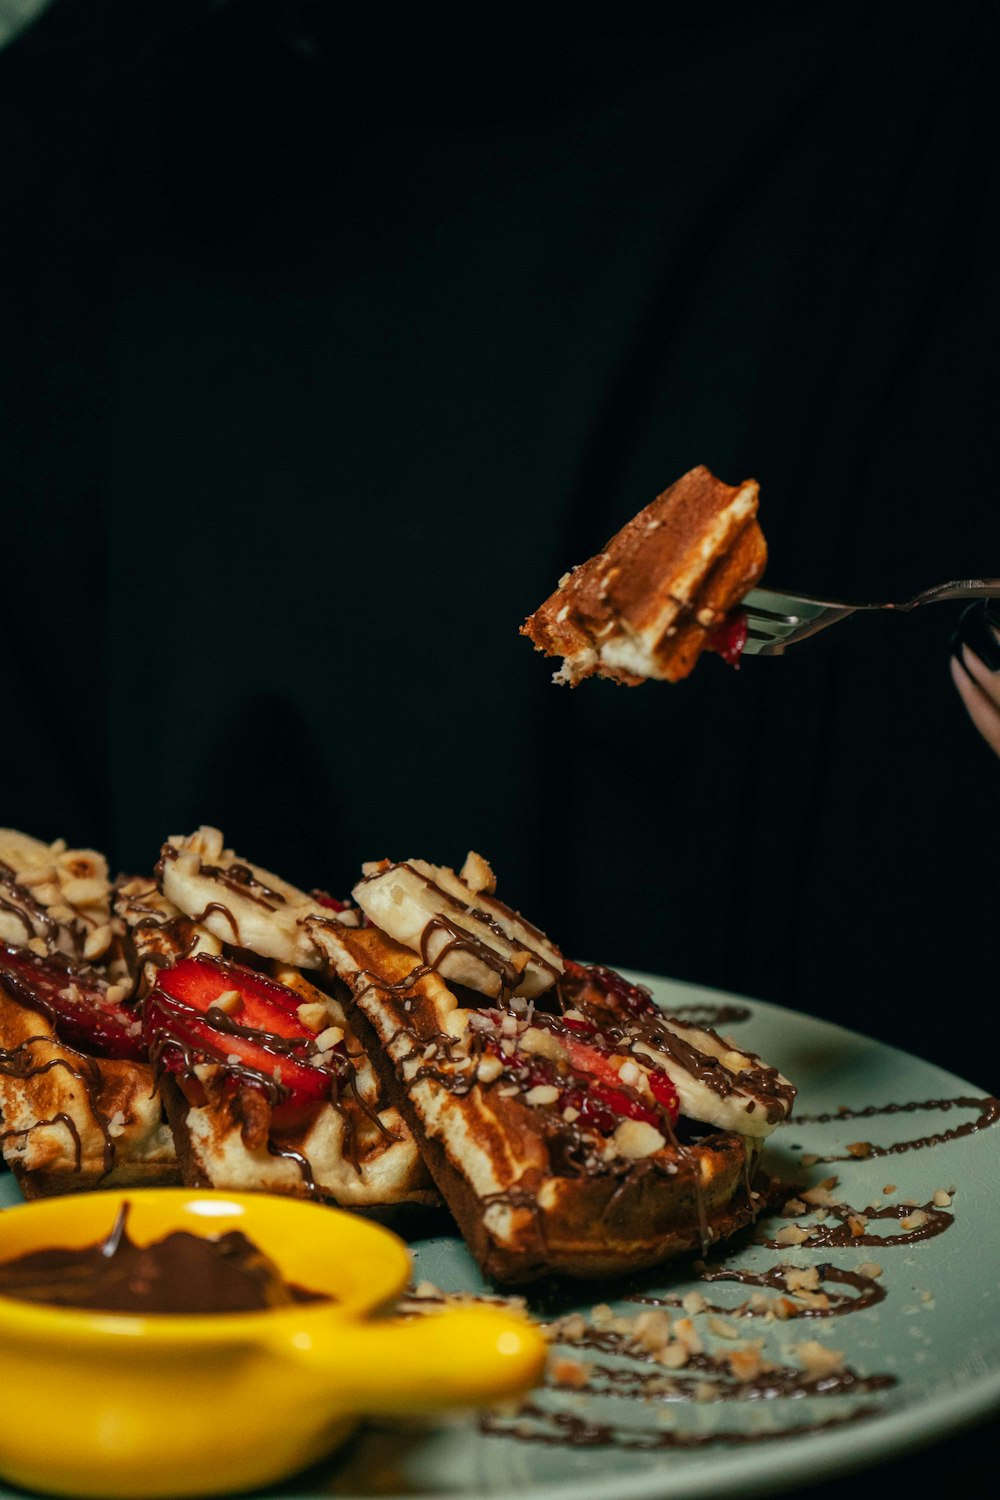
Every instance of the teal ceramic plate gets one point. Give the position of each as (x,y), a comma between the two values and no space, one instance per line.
(920,1354)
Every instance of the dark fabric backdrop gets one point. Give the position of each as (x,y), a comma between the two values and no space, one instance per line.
(330,340)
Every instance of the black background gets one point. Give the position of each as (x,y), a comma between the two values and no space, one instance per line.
(330,341)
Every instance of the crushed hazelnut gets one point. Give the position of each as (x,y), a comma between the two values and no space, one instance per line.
(870,1268)
(477,874)
(571,1372)
(542,1093)
(860,1149)
(792,1234)
(942,1198)
(229,1002)
(313,1016)
(816,1358)
(804,1280)
(915,1220)
(722,1328)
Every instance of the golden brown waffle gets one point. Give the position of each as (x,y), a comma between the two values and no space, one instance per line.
(72,1121)
(357,1152)
(645,607)
(526,1204)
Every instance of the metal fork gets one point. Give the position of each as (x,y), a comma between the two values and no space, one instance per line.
(776,621)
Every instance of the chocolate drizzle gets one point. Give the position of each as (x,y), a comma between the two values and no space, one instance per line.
(536,1424)
(987,1114)
(869,1292)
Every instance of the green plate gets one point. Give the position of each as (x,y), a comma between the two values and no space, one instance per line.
(934,1338)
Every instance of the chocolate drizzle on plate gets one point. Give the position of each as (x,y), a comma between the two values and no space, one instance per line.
(987,1114)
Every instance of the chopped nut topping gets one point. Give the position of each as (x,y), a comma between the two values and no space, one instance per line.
(477,874)
(313,1016)
(870,1268)
(942,1198)
(793,1208)
(571,1372)
(916,1220)
(722,1328)
(542,1093)
(860,1148)
(652,1330)
(635,1139)
(693,1302)
(804,1280)
(489,1068)
(792,1234)
(816,1358)
(229,1002)
(686,1332)
(745,1363)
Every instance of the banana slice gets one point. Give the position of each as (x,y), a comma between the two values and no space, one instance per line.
(718,1084)
(240,903)
(458,928)
(54,899)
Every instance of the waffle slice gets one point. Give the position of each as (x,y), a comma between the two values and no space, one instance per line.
(351,1146)
(282,1103)
(662,590)
(556,1148)
(77,1094)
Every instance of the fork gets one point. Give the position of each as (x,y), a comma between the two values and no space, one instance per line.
(776,621)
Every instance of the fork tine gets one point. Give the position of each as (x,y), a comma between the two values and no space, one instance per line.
(777,620)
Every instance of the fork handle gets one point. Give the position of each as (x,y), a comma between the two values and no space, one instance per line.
(965,588)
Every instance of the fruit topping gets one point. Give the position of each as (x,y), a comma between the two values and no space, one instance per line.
(597,985)
(729,637)
(75,1000)
(208,1010)
(563,1062)
(323,898)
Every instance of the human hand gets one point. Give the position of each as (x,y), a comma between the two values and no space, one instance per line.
(975,668)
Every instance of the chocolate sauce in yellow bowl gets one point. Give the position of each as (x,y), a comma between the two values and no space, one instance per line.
(180,1273)
(137,1403)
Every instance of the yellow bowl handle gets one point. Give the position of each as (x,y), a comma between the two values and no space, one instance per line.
(458,1356)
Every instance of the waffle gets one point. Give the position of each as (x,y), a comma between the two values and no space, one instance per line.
(353,1149)
(648,604)
(509,1102)
(72,1118)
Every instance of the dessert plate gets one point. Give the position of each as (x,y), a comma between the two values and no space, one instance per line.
(893,1342)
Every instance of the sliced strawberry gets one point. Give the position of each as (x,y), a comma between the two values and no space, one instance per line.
(323,898)
(729,637)
(76,1002)
(605,1068)
(263,1042)
(588,1076)
(603,986)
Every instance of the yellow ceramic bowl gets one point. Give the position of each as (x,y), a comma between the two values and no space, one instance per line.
(104,1404)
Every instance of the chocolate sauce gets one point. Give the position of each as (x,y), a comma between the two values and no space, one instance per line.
(534,1424)
(869,1292)
(988,1113)
(826,1235)
(181,1273)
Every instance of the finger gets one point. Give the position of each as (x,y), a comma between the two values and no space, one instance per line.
(987,680)
(982,710)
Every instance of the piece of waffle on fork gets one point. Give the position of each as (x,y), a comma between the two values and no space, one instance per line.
(665,588)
